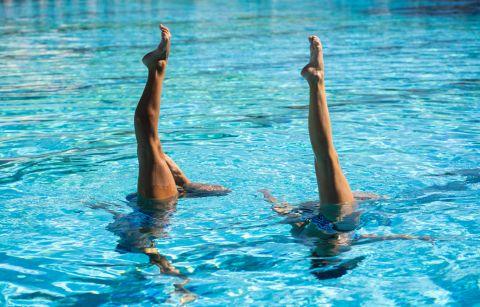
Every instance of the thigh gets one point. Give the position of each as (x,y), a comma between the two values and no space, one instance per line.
(155,180)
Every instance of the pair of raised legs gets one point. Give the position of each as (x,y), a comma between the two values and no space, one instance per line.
(161,179)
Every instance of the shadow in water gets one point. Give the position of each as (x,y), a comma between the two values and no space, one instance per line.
(323,269)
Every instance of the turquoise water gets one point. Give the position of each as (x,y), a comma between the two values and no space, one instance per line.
(403,83)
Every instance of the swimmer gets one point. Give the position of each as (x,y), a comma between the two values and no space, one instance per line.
(160,181)
(159,178)
(327,226)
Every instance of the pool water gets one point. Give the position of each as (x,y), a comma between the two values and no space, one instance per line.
(403,84)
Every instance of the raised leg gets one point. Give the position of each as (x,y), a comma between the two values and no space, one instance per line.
(332,184)
(155,179)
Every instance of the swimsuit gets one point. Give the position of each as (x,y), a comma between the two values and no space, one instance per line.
(323,224)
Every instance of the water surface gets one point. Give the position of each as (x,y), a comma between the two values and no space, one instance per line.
(403,83)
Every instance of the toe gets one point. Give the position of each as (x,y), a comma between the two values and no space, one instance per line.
(164,28)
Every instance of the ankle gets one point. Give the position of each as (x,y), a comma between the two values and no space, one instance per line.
(316,87)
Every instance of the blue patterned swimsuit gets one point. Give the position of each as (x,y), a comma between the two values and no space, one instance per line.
(320,221)
(323,224)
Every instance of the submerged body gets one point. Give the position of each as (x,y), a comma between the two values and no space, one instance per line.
(138,231)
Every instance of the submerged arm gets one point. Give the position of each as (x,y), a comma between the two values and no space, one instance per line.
(107,208)
(370,238)
(161,261)
(282,208)
(166,267)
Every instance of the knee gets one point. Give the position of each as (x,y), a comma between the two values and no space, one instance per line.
(326,156)
(144,117)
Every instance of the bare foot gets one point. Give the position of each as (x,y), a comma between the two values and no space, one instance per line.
(160,54)
(313,71)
